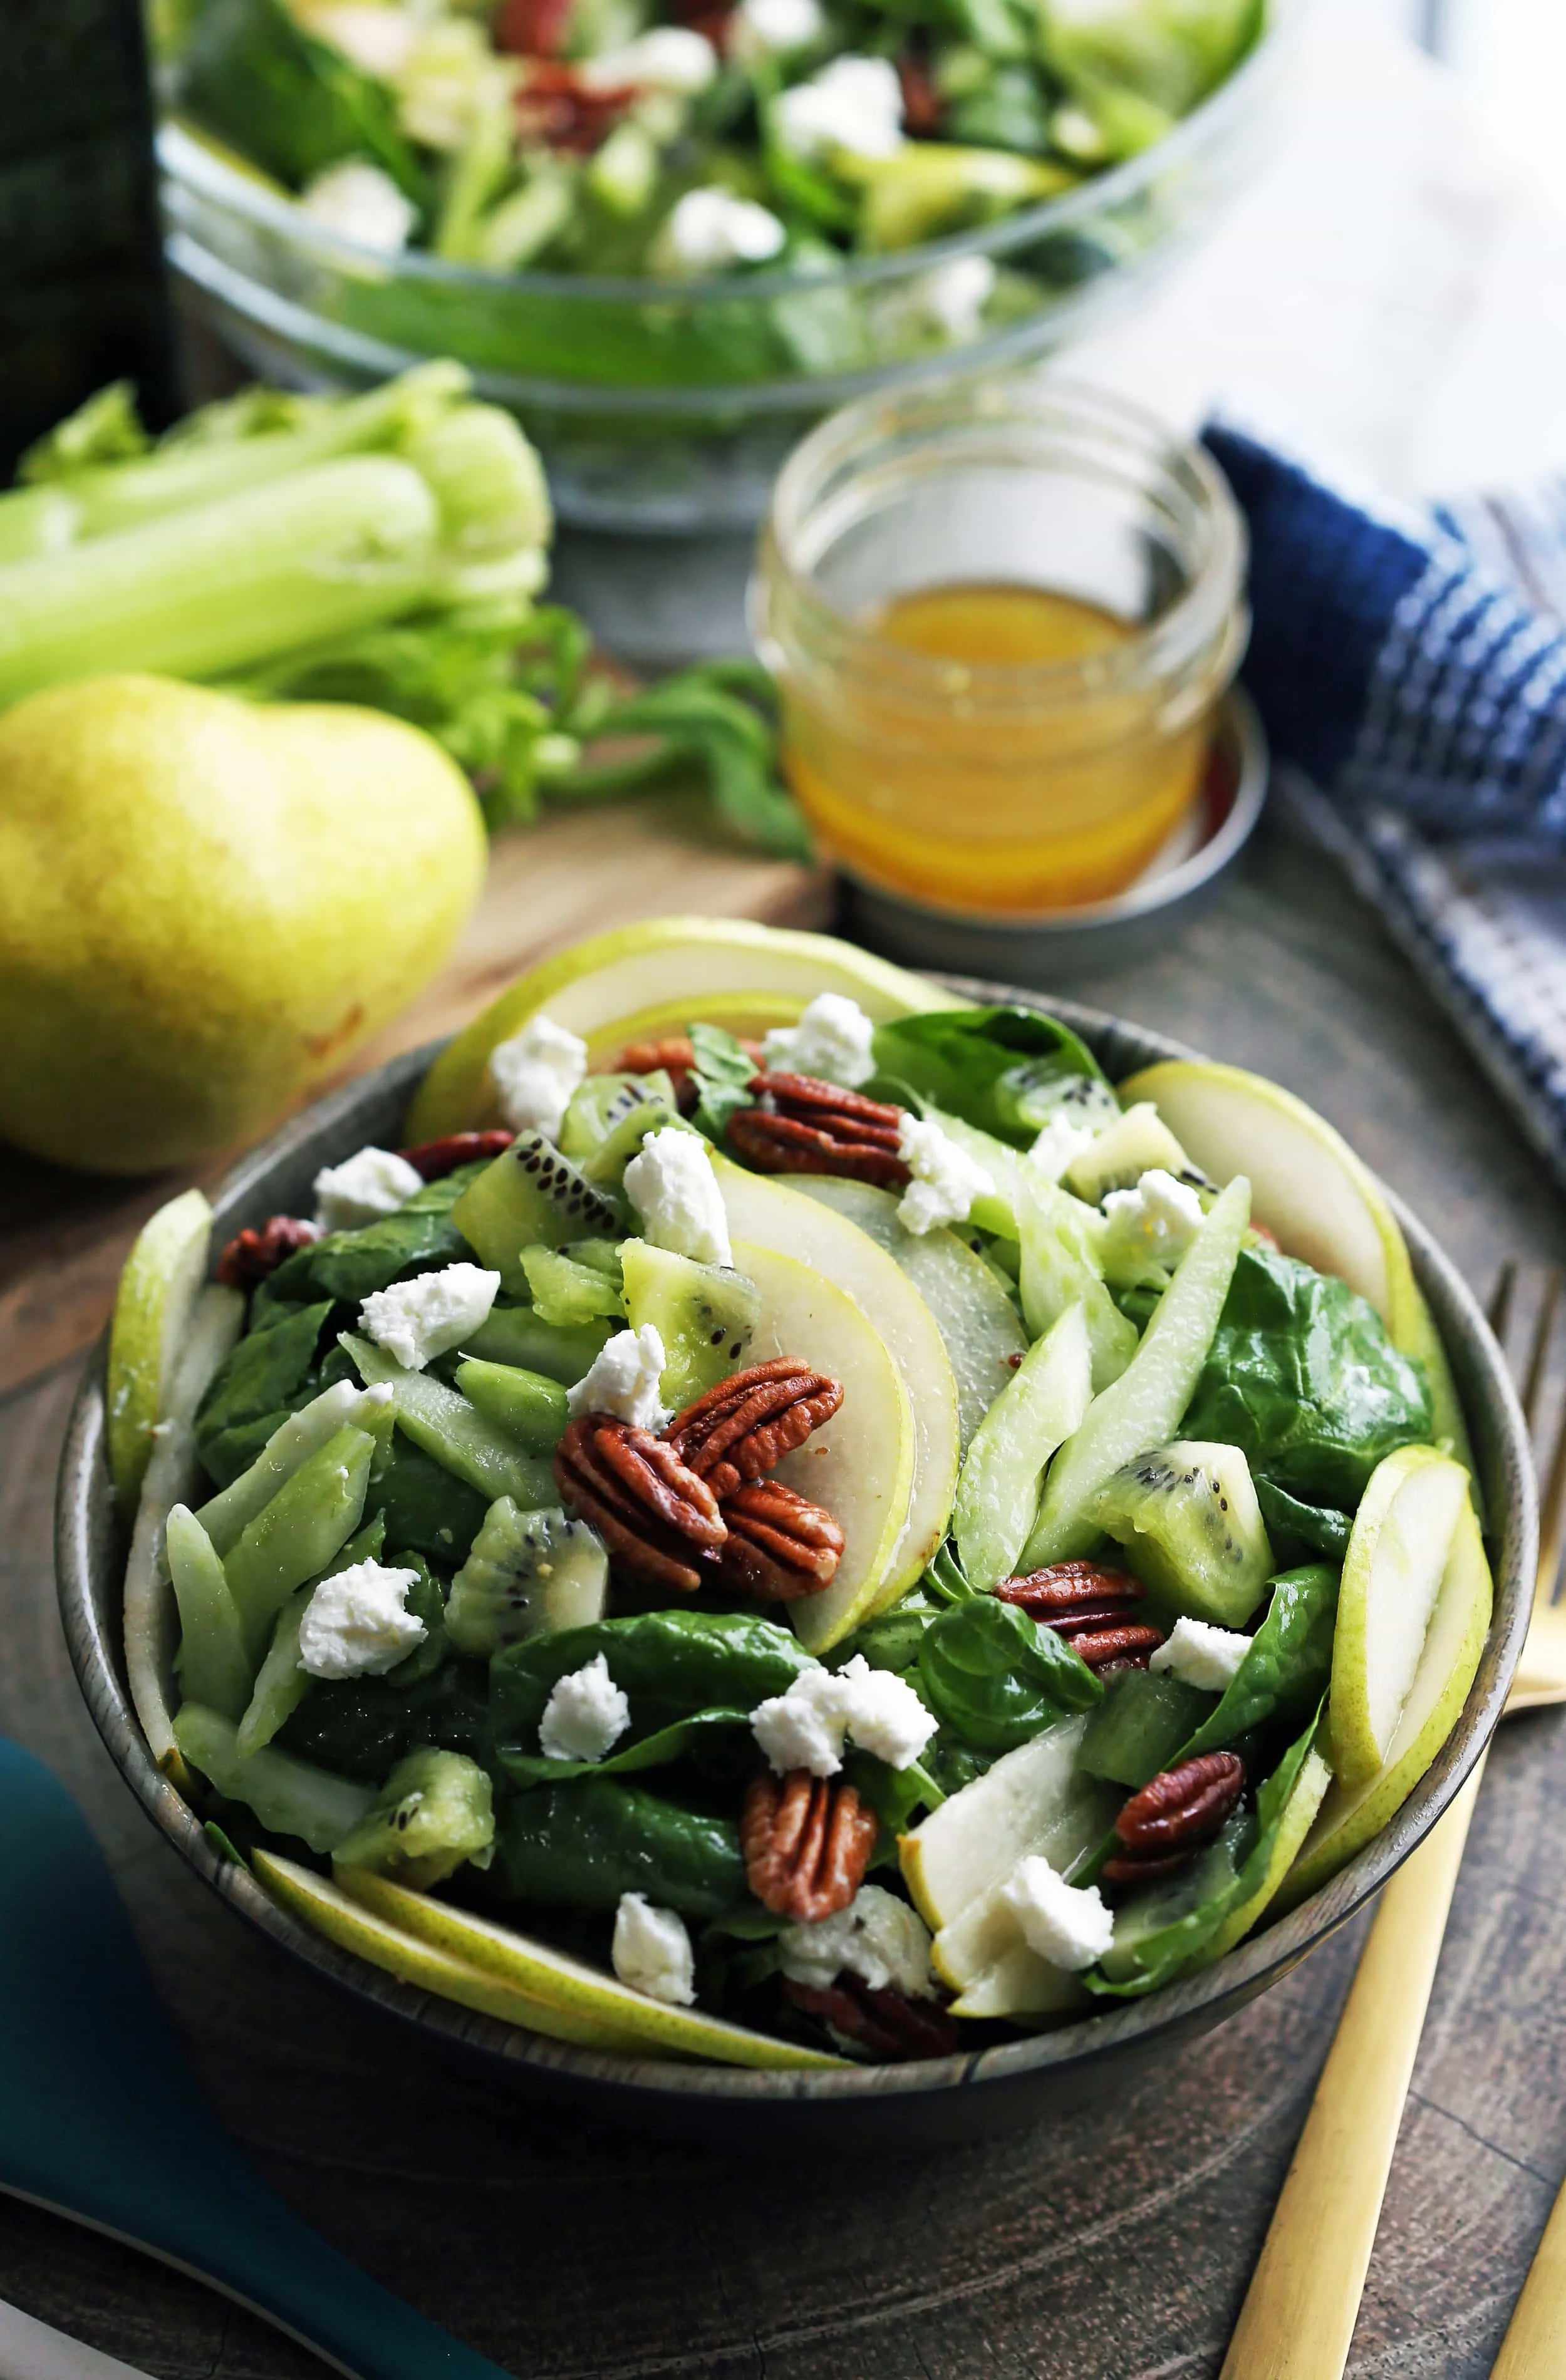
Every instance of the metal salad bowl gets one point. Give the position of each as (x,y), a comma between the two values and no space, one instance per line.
(859,2109)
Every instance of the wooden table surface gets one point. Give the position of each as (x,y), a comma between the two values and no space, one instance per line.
(1113,2246)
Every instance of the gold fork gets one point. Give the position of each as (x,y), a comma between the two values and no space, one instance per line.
(1298,2319)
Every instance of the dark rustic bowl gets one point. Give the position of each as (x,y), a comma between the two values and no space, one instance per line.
(869,2109)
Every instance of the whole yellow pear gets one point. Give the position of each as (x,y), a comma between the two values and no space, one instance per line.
(204,904)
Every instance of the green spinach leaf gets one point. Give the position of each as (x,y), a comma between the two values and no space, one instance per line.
(722,1076)
(996,1677)
(655,1751)
(669,1665)
(1000,1068)
(1315,1526)
(1285,1673)
(260,1376)
(581,1846)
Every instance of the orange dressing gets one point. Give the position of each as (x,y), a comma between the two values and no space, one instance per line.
(973,795)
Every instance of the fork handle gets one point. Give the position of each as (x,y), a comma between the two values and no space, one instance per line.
(1298,2318)
(1535,2345)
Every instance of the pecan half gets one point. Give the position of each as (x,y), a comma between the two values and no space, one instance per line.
(1091,1607)
(250,1256)
(802,1125)
(652,1513)
(745,1425)
(883,2022)
(807,1842)
(1181,1809)
(779,1544)
(435,1158)
(674,1056)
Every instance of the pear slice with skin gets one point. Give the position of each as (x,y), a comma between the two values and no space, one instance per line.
(1033,1799)
(1042,1403)
(1021,1986)
(762,1212)
(1397,1557)
(860,1465)
(1320,1202)
(568,1985)
(1298,1816)
(1350,1815)
(656,977)
(157,1293)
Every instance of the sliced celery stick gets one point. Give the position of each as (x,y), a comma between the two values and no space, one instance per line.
(212,1664)
(288,1796)
(296,1536)
(282,1686)
(527,1407)
(225,1516)
(448,1428)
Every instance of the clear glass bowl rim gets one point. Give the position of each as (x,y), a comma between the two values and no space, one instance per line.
(187,160)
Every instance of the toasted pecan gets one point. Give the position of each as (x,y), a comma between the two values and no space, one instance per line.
(1092,1607)
(807,1842)
(747,1423)
(251,1256)
(1171,1818)
(435,1158)
(888,2025)
(779,1544)
(657,1519)
(801,1124)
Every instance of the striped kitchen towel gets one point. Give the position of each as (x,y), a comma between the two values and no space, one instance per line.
(1410,668)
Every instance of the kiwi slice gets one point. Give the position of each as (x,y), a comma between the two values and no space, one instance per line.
(527,1572)
(1123,1152)
(1143,1718)
(435,1810)
(1188,1519)
(530,1196)
(602,1102)
(706,1316)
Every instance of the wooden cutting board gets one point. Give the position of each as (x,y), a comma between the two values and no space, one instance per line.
(63,1236)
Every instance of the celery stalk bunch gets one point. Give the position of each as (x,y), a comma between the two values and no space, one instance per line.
(387,549)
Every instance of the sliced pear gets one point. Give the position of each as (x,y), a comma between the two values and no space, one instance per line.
(1021,1985)
(656,976)
(352,1926)
(762,1212)
(1041,1404)
(157,1294)
(1033,1799)
(1068,1817)
(1320,1202)
(1143,1407)
(1455,1638)
(971,1312)
(1398,1551)
(860,1466)
(569,1985)
(1298,1816)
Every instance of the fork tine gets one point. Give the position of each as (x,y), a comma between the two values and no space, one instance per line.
(1498,1313)
(1549,1300)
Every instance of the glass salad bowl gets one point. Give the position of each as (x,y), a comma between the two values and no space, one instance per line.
(853,2107)
(667,407)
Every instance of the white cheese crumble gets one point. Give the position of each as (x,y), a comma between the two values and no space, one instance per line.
(374,1182)
(668,57)
(952,296)
(624,1379)
(1203,1656)
(1068,1925)
(831,1041)
(854,103)
(806,1727)
(1159,1218)
(379,41)
(585,1714)
(1058,1143)
(362,203)
(946,1179)
(355,1624)
(671,1183)
(416,1319)
(765,28)
(652,1952)
(877,1937)
(534,1075)
(711,229)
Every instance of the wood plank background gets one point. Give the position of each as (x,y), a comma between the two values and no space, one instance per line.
(1114,2245)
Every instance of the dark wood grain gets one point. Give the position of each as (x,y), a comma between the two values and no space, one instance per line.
(1113,2246)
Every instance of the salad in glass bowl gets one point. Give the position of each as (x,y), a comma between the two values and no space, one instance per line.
(647,231)
(792,1522)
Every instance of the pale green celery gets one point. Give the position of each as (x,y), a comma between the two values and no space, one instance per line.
(511,234)
(524,1405)
(446,1426)
(212,1664)
(1039,1407)
(225,1515)
(1061,1267)
(476,174)
(624,173)
(288,1796)
(337,547)
(106,429)
(487,481)
(295,1536)
(281,1684)
(35,521)
(186,472)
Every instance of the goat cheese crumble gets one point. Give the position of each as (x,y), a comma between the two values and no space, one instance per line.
(766,29)
(806,1727)
(1060,1142)
(416,1319)
(831,1041)
(362,203)
(652,1952)
(1159,1218)
(364,1187)
(877,1937)
(534,1075)
(854,103)
(624,1379)
(946,1179)
(585,1714)
(355,1625)
(670,58)
(711,229)
(1202,1655)
(952,296)
(1069,1925)
(672,1185)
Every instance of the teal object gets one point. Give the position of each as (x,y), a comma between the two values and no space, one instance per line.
(102,2118)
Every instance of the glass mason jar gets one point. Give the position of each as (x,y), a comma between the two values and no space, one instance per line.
(995,758)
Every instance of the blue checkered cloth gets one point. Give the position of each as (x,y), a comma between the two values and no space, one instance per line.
(1410,669)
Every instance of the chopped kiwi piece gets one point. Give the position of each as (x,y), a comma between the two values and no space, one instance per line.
(573,1285)
(519,1334)
(530,1196)
(528,1573)
(1188,1519)
(435,1810)
(706,1316)
(1143,1718)
(605,1168)
(602,1102)
(1123,1152)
